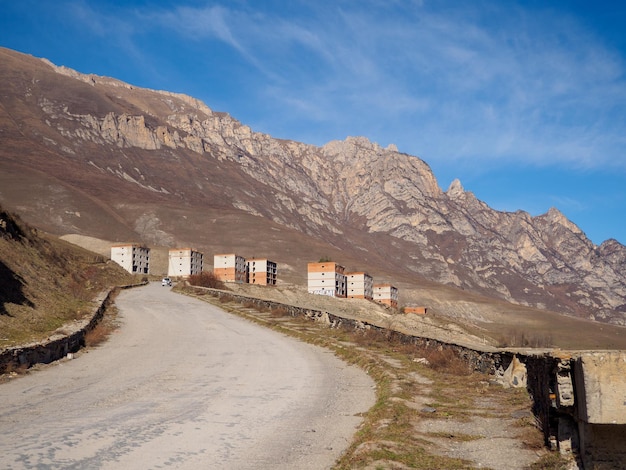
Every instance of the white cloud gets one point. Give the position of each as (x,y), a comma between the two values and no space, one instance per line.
(487,81)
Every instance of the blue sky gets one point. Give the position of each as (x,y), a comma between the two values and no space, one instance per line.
(524,102)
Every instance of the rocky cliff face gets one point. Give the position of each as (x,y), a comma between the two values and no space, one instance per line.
(138,137)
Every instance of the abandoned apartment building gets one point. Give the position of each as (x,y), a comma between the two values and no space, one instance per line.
(329,278)
(235,268)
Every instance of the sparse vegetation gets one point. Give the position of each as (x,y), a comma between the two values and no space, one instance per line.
(206,279)
(103,329)
(279,312)
(45,282)
(552,461)
(11,369)
(520,338)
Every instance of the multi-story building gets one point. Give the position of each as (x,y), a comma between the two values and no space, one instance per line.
(230,268)
(386,294)
(133,257)
(360,285)
(184,262)
(327,278)
(261,271)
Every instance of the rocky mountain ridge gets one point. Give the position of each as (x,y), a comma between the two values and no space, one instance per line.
(166,148)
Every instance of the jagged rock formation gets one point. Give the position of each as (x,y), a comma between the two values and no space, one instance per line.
(116,143)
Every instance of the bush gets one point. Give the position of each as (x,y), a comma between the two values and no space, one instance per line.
(279,312)
(206,279)
(447,361)
(97,335)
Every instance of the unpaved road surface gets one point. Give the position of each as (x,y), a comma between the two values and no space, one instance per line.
(180,385)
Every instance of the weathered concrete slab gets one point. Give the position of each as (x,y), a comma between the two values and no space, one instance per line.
(601,387)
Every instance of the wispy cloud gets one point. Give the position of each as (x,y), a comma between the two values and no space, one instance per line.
(453,81)
(198,23)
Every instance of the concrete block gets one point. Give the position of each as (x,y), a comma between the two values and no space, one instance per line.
(564,385)
(600,379)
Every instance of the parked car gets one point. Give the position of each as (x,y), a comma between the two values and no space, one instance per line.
(166,281)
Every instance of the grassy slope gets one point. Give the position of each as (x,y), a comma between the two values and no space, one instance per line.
(45,282)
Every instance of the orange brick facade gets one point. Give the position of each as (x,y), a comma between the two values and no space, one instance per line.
(230,268)
(261,272)
(416,310)
(327,278)
(386,294)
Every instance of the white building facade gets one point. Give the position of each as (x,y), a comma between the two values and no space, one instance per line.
(360,286)
(134,258)
(230,267)
(386,294)
(327,278)
(184,262)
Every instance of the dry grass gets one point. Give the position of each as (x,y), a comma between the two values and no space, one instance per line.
(97,335)
(11,369)
(279,312)
(46,283)
(388,436)
(224,299)
(438,358)
(101,332)
(206,279)
(551,461)
(250,304)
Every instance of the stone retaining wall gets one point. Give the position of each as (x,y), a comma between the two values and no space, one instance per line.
(483,361)
(58,345)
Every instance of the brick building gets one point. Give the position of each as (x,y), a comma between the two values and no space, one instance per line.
(360,285)
(327,278)
(386,294)
(230,268)
(261,271)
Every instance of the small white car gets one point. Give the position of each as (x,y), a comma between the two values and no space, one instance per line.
(166,281)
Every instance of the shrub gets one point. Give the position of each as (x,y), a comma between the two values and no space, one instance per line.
(11,368)
(447,361)
(97,335)
(206,279)
(224,299)
(279,312)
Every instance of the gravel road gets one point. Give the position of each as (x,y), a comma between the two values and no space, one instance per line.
(183,385)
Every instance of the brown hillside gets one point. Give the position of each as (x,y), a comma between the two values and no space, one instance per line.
(46,283)
(92,156)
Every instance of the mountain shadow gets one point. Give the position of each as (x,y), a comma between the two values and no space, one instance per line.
(11,289)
